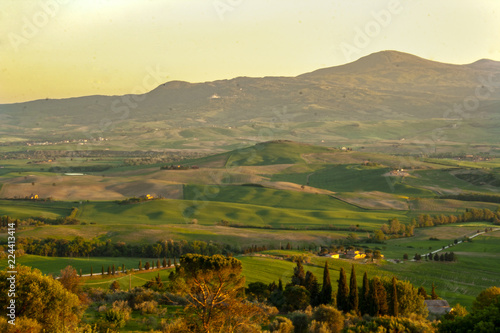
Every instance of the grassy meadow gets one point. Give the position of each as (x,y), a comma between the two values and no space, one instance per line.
(268,194)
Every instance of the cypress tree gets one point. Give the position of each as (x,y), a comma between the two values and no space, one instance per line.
(80,272)
(91,271)
(114,270)
(169,263)
(422,292)
(140,264)
(326,288)
(378,298)
(364,306)
(433,292)
(394,299)
(374,304)
(109,270)
(175,262)
(353,292)
(157,263)
(311,284)
(102,270)
(342,292)
(280,285)
(299,276)
(146,266)
(164,263)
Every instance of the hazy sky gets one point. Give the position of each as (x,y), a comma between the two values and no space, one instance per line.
(68,48)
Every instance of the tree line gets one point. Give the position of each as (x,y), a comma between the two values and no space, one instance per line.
(473,197)
(80,247)
(470,215)
(395,229)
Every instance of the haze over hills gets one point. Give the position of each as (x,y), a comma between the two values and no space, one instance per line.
(388,99)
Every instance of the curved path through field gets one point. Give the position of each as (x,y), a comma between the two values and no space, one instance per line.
(448,246)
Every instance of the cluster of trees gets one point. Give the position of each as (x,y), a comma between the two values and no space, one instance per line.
(37,221)
(178,167)
(395,229)
(42,304)
(255,248)
(376,296)
(470,215)
(80,247)
(473,197)
(436,257)
(484,317)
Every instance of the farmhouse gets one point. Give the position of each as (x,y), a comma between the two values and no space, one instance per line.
(351,254)
(437,306)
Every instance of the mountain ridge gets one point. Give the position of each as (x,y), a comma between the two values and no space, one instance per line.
(387,86)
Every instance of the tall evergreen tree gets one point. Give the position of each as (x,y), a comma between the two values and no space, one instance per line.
(374,304)
(433,292)
(353,292)
(394,311)
(364,304)
(326,289)
(422,292)
(169,263)
(157,263)
(91,271)
(109,270)
(379,298)
(102,270)
(299,276)
(123,268)
(164,263)
(311,284)
(343,292)
(140,264)
(113,269)
(280,285)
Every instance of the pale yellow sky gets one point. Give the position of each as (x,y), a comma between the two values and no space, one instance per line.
(69,48)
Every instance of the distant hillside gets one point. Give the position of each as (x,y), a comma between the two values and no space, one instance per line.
(273,152)
(381,99)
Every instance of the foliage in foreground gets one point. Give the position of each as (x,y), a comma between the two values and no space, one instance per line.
(41,302)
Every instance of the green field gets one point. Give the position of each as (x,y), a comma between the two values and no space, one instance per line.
(270,194)
(23,209)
